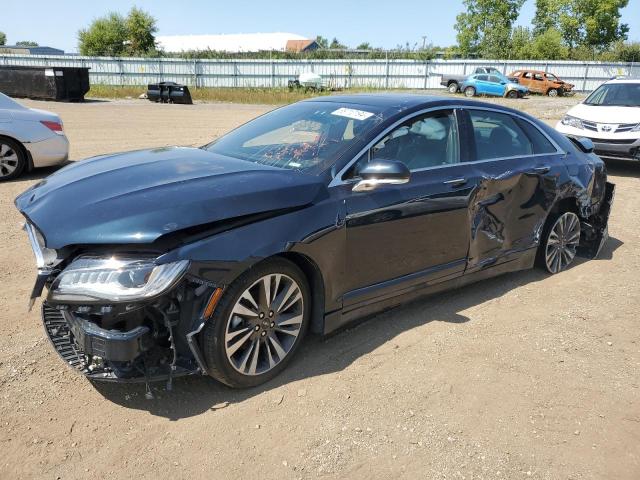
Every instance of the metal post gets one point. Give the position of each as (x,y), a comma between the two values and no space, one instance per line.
(160,73)
(273,71)
(584,80)
(121,68)
(464,69)
(426,73)
(195,73)
(386,77)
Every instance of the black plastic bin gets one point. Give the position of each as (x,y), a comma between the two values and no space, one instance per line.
(48,83)
(169,92)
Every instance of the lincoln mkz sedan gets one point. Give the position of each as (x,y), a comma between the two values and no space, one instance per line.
(218,260)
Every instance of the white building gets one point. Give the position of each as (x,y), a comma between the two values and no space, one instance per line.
(241,42)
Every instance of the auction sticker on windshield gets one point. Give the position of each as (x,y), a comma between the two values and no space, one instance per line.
(352,113)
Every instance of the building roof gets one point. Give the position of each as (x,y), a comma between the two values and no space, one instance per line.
(241,42)
(39,50)
(300,45)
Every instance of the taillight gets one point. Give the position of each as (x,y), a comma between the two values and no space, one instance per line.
(53,126)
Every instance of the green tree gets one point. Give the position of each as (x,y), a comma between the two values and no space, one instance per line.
(141,28)
(323,42)
(547,15)
(105,36)
(3,38)
(549,46)
(590,24)
(521,39)
(26,43)
(336,45)
(364,46)
(115,35)
(484,28)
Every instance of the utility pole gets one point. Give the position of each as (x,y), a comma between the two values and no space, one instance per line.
(424,42)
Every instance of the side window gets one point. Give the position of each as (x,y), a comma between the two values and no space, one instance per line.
(494,79)
(498,135)
(538,77)
(539,141)
(426,141)
(527,75)
(483,78)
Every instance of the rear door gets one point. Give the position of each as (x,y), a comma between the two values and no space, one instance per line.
(402,236)
(520,169)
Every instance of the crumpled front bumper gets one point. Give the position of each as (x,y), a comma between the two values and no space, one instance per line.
(80,342)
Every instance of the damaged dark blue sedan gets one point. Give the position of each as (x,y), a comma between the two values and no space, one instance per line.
(218,260)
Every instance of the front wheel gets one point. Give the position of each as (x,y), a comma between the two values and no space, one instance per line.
(453,87)
(512,94)
(470,92)
(561,238)
(552,92)
(258,324)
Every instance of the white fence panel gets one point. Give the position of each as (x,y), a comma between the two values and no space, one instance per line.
(265,73)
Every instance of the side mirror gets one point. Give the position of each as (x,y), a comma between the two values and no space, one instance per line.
(503,82)
(584,144)
(382,172)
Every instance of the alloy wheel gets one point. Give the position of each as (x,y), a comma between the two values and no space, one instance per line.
(264,324)
(9,160)
(453,88)
(562,242)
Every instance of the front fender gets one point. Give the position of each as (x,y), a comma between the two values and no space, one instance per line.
(314,232)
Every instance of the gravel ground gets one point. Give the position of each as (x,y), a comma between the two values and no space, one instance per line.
(522,376)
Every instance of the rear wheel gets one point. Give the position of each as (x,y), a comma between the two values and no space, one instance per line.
(561,238)
(12,159)
(453,87)
(552,92)
(470,92)
(258,325)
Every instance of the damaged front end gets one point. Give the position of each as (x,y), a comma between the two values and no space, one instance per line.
(127,319)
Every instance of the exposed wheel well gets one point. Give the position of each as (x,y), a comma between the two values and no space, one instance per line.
(316,285)
(24,150)
(568,204)
(451,82)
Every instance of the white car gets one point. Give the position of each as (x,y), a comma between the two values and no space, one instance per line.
(610,117)
(29,138)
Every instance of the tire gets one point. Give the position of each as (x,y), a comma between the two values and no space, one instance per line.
(245,346)
(560,240)
(13,160)
(512,94)
(553,92)
(453,87)
(470,92)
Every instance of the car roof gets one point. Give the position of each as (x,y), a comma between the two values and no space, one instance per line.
(624,80)
(401,102)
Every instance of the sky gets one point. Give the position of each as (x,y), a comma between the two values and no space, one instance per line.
(381,23)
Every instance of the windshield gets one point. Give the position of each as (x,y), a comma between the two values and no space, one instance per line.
(616,95)
(302,136)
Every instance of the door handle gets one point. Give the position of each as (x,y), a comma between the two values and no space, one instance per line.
(542,169)
(455,182)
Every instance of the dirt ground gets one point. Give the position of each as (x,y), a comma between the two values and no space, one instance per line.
(522,376)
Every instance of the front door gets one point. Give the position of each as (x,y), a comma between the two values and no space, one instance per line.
(402,235)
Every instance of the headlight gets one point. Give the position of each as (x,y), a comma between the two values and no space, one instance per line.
(572,122)
(115,279)
(636,128)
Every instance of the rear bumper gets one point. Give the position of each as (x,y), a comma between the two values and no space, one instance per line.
(51,151)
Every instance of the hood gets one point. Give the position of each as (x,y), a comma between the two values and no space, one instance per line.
(603,114)
(136,197)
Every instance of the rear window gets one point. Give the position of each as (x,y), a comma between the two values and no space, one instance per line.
(498,135)
(539,141)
